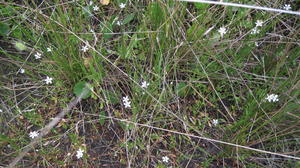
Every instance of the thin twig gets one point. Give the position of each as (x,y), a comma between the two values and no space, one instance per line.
(203,138)
(244,6)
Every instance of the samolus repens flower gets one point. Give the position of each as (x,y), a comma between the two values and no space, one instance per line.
(122,5)
(222,31)
(272,98)
(48,80)
(33,134)
(79,153)
(126,102)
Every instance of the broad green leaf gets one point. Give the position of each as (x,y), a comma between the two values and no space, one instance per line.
(20,46)
(106,30)
(4,29)
(82,87)
(128,18)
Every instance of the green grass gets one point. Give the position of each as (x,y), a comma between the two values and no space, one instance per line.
(194,77)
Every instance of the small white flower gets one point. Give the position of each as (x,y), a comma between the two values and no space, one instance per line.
(215,122)
(259,23)
(222,31)
(33,134)
(48,80)
(22,70)
(38,55)
(126,102)
(85,48)
(272,98)
(145,84)
(119,23)
(1,110)
(165,159)
(79,153)
(122,5)
(49,49)
(95,8)
(256,44)
(287,7)
(125,99)
(255,30)
(91,3)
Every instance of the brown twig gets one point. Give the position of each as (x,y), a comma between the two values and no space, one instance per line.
(47,129)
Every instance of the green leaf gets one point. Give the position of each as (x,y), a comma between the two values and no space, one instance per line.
(102,117)
(106,30)
(128,18)
(4,29)
(20,46)
(82,87)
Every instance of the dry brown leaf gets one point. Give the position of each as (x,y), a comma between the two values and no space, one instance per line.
(104,2)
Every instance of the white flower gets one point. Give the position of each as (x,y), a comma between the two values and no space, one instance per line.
(255,30)
(38,55)
(91,2)
(222,31)
(22,70)
(49,49)
(79,153)
(256,44)
(33,134)
(165,159)
(125,99)
(145,84)
(122,5)
(126,102)
(1,110)
(95,8)
(287,7)
(259,23)
(48,80)
(119,23)
(272,98)
(85,48)
(215,122)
